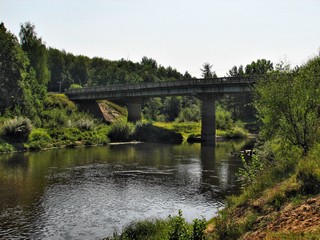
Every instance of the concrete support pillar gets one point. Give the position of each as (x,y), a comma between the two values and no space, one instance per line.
(92,107)
(208,118)
(134,109)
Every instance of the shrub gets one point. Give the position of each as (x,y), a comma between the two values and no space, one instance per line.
(223,118)
(94,137)
(179,228)
(85,124)
(39,139)
(55,118)
(18,127)
(190,114)
(308,172)
(6,147)
(59,101)
(121,130)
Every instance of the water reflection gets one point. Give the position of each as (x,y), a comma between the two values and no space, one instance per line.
(88,192)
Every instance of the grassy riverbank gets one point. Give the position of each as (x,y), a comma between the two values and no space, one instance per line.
(187,129)
(62,125)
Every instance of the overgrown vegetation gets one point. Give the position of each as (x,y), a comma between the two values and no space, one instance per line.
(173,228)
(286,170)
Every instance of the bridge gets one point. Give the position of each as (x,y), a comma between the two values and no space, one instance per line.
(207,90)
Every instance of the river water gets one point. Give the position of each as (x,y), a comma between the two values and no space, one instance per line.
(88,193)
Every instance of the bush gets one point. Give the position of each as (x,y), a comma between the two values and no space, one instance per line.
(6,147)
(121,130)
(190,114)
(39,139)
(308,172)
(55,118)
(174,228)
(85,124)
(18,127)
(223,118)
(59,101)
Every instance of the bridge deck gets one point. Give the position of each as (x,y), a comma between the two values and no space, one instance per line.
(170,88)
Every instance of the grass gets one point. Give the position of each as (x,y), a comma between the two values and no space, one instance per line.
(194,128)
(280,183)
(173,228)
(185,128)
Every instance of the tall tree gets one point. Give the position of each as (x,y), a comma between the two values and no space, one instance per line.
(260,67)
(20,91)
(288,104)
(236,72)
(12,65)
(207,71)
(36,50)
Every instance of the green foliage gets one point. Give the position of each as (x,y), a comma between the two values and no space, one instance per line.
(20,92)
(199,225)
(260,67)
(308,173)
(251,168)
(18,128)
(288,104)
(36,50)
(75,86)
(151,110)
(223,118)
(179,229)
(12,65)
(174,228)
(207,71)
(121,130)
(39,139)
(226,228)
(85,123)
(190,114)
(172,107)
(60,101)
(6,147)
(55,118)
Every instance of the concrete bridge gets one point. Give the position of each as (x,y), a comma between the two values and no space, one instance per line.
(207,90)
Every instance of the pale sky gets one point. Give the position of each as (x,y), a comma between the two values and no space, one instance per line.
(181,33)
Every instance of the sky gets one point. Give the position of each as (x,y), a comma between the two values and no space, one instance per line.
(183,34)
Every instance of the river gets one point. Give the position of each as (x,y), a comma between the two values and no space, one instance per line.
(88,193)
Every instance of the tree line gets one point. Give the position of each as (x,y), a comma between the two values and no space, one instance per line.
(29,69)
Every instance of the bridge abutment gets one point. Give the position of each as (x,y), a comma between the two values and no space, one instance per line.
(134,109)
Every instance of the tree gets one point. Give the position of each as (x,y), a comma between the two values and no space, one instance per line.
(172,107)
(207,72)
(288,104)
(20,91)
(151,111)
(260,67)
(12,64)
(236,72)
(36,50)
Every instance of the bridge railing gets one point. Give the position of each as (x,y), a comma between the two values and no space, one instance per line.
(169,84)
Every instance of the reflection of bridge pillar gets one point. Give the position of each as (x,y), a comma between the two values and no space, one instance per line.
(208,118)
(92,107)
(134,109)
